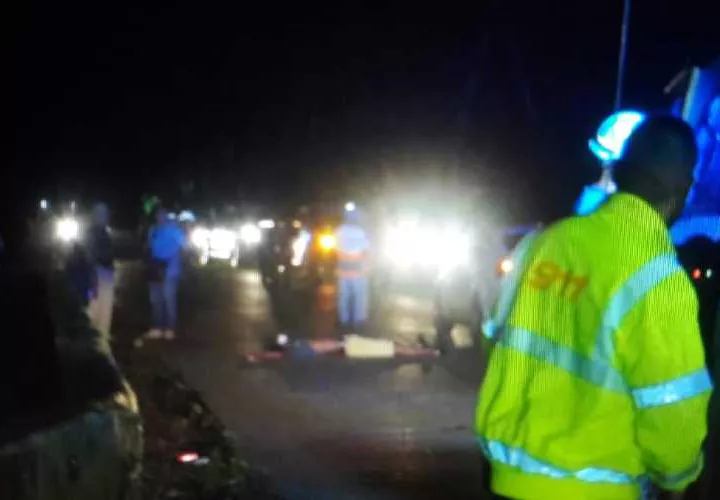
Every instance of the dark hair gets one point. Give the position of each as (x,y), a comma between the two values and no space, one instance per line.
(660,157)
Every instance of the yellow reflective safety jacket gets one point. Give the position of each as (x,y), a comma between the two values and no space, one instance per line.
(596,383)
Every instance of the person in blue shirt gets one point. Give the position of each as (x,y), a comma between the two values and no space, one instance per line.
(166,241)
(353,245)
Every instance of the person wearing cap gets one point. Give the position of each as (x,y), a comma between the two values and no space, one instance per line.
(353,245)
(101,254)
(166,242)
(596,386)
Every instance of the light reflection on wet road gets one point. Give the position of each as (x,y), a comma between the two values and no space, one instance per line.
(329,427)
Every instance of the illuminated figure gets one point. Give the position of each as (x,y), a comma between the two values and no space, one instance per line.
(352,248)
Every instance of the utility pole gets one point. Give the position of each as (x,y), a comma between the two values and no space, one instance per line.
(606,180)
(622,55)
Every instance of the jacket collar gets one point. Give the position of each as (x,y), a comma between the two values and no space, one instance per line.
(635,211)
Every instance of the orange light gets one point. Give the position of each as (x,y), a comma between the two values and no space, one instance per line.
(506,266)
(696,274)
(327,241)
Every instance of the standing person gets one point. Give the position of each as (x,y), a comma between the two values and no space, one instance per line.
(102,257)
(166,241)
(596,386)
(83,278)
(352,293)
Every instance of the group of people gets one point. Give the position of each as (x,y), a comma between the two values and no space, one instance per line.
(596,384)
(91,270)
(166,241)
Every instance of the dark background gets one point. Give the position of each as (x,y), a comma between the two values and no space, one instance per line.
(278,101)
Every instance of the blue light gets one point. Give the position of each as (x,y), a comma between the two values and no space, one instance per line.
(613,133)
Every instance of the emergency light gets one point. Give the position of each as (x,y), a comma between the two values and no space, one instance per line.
(327,241)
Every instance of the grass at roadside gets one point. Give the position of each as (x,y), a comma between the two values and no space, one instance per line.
(177,422)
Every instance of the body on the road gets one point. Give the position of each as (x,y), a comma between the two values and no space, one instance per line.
(596,386)
(352,293)
(166,242)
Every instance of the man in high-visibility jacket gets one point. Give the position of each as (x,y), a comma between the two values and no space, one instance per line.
(352,294)
(596,386)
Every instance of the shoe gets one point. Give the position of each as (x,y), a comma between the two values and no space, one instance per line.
(154,333)
(169,334)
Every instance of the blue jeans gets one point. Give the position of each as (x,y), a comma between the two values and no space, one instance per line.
(352,298)
(163,298)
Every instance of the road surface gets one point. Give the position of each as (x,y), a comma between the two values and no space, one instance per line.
(324,428)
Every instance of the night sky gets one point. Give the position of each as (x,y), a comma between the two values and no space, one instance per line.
(275,100)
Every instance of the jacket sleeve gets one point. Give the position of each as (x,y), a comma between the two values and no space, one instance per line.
(522,257)
(660,352)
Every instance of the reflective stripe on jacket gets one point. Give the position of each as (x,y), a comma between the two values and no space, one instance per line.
(597,384)
(350,264)
(352,247)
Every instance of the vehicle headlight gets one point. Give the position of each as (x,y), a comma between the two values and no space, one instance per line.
(200,237)
(222,238)
(250,234)
(410,245)
(455,250)
(403,244)
(67,229)
(186,216)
